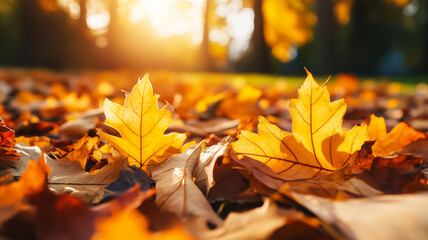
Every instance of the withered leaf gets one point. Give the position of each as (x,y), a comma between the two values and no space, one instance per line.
(258,223)
(380,217)
(203,173)
(176,191)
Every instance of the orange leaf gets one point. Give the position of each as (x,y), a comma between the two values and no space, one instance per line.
(242,106)
(12,195)
(317,143)
(130,224)
(394,141)
(142,125)
(82,149)
(7,136)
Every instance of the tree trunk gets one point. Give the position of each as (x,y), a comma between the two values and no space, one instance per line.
(326,38)
(357,37)
(206,59)
(260,50)
(82,18)
(28,10)
(112,35)
(425,53)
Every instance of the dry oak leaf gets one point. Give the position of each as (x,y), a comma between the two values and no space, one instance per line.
(317,143)
(394,141)
(142,125)
(176,191)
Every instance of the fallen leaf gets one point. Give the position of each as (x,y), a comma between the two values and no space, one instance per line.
(203,173)
(40,141)
(66,217)
(205,128)
(128,178)
(258,223)
(132,224)
(7,136)
(396,174)
(85,122)
(12,195)
(82,149)
(230,185)
(335,185)
(381,217)
(317,143)
(241,106)
(141,125)
(417,148)
(68,176)
(176,191)
(394,141)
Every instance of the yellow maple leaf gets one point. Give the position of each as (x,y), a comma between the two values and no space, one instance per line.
(394,141)
(141,124)
(317,143)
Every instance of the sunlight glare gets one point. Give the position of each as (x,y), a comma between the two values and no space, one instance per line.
(98,21)
(98,16)
(171,17)
(240,26)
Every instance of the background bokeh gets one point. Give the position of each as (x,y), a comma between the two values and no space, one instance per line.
(365,37)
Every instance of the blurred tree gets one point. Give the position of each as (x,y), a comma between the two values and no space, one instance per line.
(258,42)
(206,58)
(113,34)
(357,36)
(287,25)
(326,38)
(82,16)
(424,65)
(43,33)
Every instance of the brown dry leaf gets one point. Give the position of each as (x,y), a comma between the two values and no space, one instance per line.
(394,141)
(12,195)
(335,185)
(317,143)
(205,128)
(82,124)
(396,174)
(386,217)
(203,173)
(259,223)
(68,176)
(176,191)
(141,125)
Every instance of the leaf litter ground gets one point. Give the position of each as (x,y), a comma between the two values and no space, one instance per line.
(234,161)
